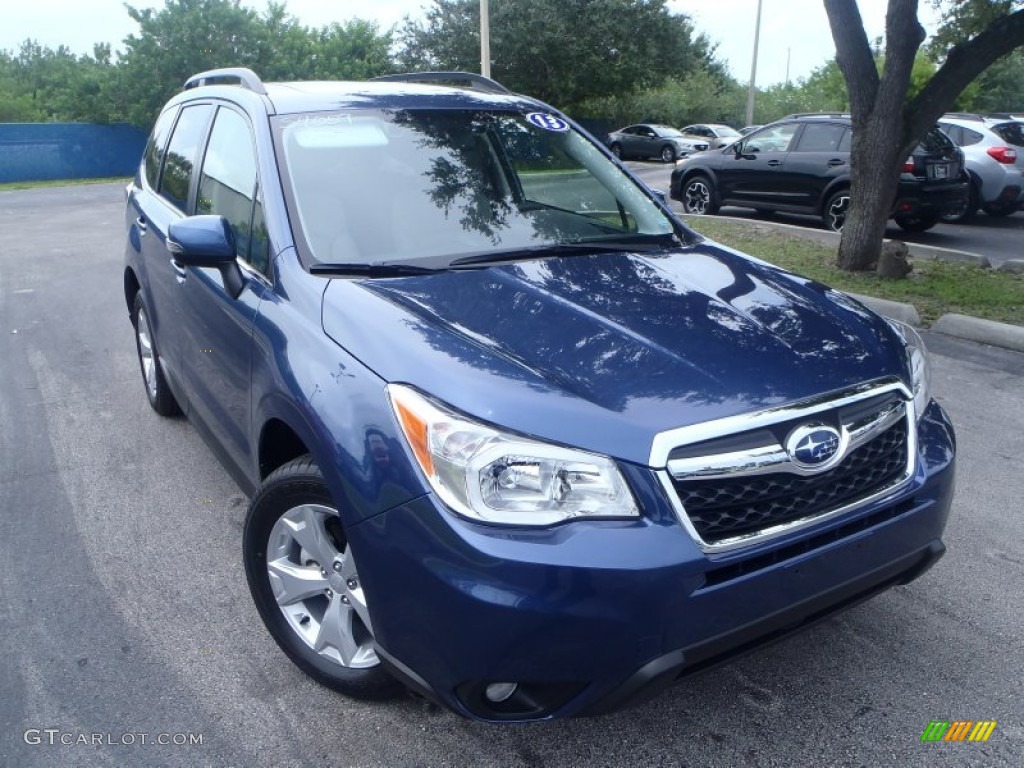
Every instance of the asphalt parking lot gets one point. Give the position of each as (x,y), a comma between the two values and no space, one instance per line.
(997,237)
(125,609)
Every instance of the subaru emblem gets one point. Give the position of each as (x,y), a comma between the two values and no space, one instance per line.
(814,446)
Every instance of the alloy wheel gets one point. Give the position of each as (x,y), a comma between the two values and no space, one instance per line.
(837,209)
(146,355)
(697,198)
(314,579)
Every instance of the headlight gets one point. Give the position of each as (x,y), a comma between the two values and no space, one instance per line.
(917,362)
(488,475)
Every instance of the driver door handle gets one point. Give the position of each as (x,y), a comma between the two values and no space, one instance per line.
(774,163)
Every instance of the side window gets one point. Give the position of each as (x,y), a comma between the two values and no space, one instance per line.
(844,143)
(955,133)
(227,184)
(157,146)
(820,138)
(774,139)
(181,154)
(970,137)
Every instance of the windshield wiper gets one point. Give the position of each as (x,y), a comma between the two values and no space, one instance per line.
(623,245)
(375,269)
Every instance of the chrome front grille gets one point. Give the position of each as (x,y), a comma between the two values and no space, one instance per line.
(723,509)
(734,486)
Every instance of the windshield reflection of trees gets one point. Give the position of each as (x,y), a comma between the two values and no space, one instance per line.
(701,327)
(470,175)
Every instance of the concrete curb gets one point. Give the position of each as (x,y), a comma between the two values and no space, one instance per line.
(897,310)
(984,331)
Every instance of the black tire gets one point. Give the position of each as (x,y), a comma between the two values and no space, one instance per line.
(153,380)
(668,154)
(299,485)
(617,150)
(916,223)
(833,215)
(697,195)
(970,209)
(1000,209)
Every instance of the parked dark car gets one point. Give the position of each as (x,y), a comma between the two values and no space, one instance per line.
(801,165)
(514,436)
(662,141)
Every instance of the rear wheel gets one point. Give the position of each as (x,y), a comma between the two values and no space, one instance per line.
(157,390)
(699,196)
(834,214)
(1000,209)
(303,578)
(970,208)
(916,223)
(668,154)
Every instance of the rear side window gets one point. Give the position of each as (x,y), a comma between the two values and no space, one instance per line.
(157,145)
(955,133)
(971,137)
(1011,133)
(181,154)
(821,138)
(227,185)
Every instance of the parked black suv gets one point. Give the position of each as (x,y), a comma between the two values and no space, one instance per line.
(801,164)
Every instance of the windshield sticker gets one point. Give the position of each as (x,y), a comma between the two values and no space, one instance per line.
(548,122)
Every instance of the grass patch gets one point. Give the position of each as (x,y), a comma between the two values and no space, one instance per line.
(11,185)
(934,287)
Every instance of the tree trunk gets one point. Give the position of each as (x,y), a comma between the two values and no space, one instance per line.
(886,128)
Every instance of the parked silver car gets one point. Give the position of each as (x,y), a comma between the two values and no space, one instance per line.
(650,140)
(714,134)
(994,159)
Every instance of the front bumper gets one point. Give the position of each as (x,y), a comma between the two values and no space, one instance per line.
(590,616)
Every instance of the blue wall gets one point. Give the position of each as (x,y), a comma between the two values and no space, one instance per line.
(37,151)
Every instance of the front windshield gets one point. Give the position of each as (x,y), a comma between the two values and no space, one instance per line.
(724,131)
(429,185)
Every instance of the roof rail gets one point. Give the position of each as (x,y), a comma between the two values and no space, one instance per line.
(245,77)
(965,116)
(455,79)
(816,114)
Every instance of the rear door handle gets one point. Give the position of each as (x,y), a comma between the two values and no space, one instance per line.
(833,163)
(774,163)
(141,224)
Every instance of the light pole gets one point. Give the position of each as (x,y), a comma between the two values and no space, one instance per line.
(753,68)
(485,40)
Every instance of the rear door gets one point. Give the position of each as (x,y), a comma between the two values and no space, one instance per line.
(819,156)
(157,208)
(217,332)
(752,173)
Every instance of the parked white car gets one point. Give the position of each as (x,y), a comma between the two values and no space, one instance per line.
(994,159)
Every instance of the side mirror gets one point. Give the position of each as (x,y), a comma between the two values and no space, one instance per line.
(661,195)
(201,241)
(206,241)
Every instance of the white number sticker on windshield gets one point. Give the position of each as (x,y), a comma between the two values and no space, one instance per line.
(548,122)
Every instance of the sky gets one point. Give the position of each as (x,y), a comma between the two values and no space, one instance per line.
(793,30)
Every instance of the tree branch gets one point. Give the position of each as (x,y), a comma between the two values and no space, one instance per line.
(853,53)
(963,64)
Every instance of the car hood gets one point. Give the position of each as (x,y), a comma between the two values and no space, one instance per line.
(605,351)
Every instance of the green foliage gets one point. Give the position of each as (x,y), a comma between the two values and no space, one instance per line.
(182,38)
(567,52)
(700,96)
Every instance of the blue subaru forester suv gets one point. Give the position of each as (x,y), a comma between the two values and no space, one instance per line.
(515,437)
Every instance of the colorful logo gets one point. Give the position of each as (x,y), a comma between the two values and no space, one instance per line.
(958,730)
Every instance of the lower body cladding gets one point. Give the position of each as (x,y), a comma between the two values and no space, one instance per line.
(515,625)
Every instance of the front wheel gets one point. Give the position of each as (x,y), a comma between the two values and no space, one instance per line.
(699,196)
(668,154)
(303,578)
(617,150)
(916,223)
(834,214)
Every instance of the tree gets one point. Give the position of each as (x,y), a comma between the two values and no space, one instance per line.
(888,122)
(558,50)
